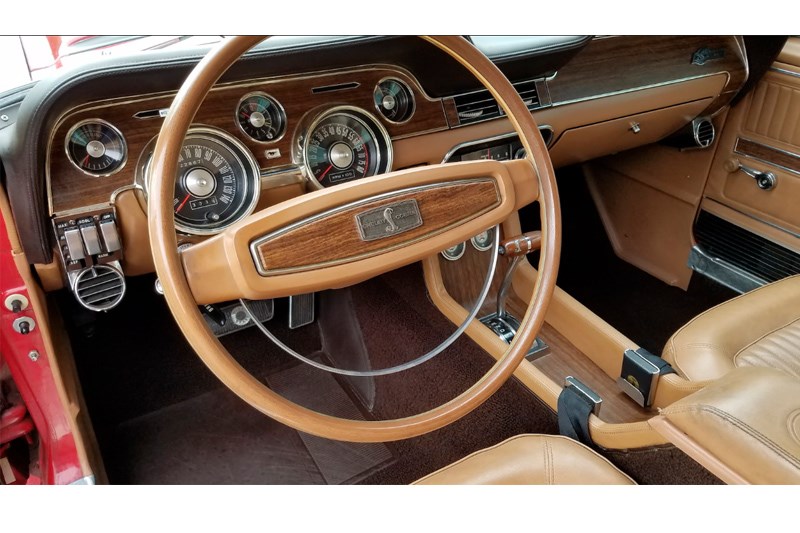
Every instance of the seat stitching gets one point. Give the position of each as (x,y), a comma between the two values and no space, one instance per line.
(737,354)
(740,424)
(671,342)
(546,457)
(475,454)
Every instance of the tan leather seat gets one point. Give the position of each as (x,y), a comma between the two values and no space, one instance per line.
(758,328)
(531,460)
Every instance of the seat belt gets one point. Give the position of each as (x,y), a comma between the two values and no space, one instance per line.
(575,403)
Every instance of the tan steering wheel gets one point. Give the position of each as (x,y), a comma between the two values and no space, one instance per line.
(267,254)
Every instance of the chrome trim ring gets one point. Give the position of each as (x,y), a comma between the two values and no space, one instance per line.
(458,251)
(484,247)
(281,112)
(410,95)
(347,110)
(222,136)
(112,128)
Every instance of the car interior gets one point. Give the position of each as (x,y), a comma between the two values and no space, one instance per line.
(405,260)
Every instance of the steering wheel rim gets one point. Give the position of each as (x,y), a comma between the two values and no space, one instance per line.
(183,305)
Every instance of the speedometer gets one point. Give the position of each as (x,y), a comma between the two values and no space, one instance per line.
(345,144)
(217,182)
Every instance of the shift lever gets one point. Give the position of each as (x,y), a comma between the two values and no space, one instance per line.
(504,324)
(515,248)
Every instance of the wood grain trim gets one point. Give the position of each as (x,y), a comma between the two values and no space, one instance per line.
(768,154)
(69,188)
(620,64)
(462,280)
(333,238)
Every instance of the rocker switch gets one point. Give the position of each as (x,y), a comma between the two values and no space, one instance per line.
(110,235)
(91,239)
(74,244)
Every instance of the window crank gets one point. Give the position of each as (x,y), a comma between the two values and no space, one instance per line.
(764,180)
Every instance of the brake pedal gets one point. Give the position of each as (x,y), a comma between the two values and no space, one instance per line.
(301,310)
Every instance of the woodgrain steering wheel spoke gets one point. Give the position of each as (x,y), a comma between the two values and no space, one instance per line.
(336,237)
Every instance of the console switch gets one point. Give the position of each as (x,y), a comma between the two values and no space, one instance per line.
(91,239)
(110,235)
(74,244)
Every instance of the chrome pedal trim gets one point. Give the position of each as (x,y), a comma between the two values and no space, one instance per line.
(301,310)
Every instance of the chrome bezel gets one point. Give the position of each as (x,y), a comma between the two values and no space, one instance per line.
(696,132)
(348,111)
(502,137)
(410,95)
(281,112)
(457,256)
(213,134)
(483,248)
(81,273)
(110,126)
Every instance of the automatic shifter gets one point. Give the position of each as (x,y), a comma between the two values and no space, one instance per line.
(503,323)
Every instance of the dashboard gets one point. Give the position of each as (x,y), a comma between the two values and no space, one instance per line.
(290,120)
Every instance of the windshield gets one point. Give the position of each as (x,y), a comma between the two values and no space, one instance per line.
(29,58)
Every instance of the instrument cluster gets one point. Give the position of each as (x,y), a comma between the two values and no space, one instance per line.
(219,178)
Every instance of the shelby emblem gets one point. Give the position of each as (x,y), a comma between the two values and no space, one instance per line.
(388,220)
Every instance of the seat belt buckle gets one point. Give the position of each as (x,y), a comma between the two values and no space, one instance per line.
(640,373)
(586,393)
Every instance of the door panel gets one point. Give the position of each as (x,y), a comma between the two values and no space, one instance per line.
(763,133)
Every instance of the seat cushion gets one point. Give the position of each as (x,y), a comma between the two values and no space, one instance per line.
(531,460)
(758,328)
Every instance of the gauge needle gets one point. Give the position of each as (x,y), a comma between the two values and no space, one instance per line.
(85,160)
(326,171)
(183,203)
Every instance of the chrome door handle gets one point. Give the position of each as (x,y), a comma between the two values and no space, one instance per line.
(764,180)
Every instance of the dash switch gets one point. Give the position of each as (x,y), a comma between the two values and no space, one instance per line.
(91,239)
(74,244)
(110,236)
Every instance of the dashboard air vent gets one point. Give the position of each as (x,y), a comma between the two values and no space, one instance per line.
(99,288)
(479,105)
(476,107)
(703,132)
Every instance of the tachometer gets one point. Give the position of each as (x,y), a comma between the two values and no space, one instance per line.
(261,117)
(217,182)
(96,147)
(344,144)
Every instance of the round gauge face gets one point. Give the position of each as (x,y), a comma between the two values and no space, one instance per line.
(455,252)
(217,182)
(393,100)
(261,117)
(483,241)
(346,145)
(96,148)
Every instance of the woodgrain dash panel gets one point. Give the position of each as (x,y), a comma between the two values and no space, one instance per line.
(611,64)
(333,238)
(768,154)
(71,189)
